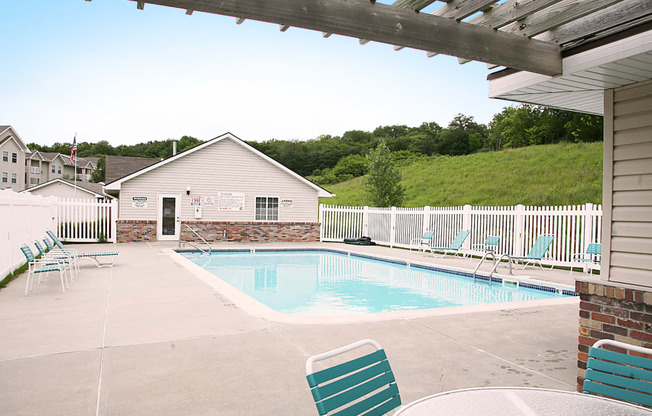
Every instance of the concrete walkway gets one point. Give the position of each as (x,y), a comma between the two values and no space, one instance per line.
(148,338)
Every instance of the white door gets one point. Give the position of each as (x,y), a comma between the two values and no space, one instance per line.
(168,224)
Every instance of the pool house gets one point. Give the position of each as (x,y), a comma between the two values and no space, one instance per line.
(223,190)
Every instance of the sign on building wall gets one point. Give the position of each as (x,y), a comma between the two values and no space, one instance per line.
(202,201)
(287,203)
(230,201)
(139,202)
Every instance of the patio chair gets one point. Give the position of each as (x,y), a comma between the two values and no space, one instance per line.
(40,266)
(59,257)
(617,375)
(455,245)
(490,244)
(537,251)
(423,242)
(589,258)
(364,385)
(93,256)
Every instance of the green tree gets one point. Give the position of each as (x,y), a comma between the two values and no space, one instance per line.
(98,174)
(383,183)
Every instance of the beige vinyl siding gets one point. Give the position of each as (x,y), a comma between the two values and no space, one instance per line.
(17,168)
(64,191)
(225,166)
(630,190)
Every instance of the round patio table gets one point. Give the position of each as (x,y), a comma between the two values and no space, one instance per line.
(517,401)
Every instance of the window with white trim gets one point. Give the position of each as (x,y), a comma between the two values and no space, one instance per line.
(4,177)
(266,208)
(14,157)
(59,170)
(13,178)
(53,169)
(5,156)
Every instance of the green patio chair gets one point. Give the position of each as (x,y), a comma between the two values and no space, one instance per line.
(589,258)
(363,385)
(537,251)
(490,244)
(93,256)
(57,257)
(617,375)
(423,242)
(455,245)
(41,266)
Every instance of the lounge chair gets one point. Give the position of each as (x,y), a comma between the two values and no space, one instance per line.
(59,257)
(537,251)
(455,245)
(490,244)
(93,256)
(363,385)
(589,258)
(423,242)
(617,375)
(39,266)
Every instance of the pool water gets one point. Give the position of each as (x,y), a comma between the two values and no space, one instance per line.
(321,283)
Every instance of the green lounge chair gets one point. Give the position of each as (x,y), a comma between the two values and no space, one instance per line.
(58,257)
(363,385)
(490,244)
(455,245)
(589,258)
(423,242)
(93,256)
(617,375)
(537,251)
(39,266)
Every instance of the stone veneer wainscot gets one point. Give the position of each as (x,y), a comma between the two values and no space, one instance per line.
(612,311)
(251,231)
(135,230)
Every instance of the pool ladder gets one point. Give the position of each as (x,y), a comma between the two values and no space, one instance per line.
(201,238)
(495,266)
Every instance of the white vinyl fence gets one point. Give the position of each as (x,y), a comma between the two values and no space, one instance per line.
(25,217)
(83,220)
(518,227)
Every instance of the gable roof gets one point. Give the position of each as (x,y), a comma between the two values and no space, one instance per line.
(116,185)
(116,167)
(96,189)
(12,135)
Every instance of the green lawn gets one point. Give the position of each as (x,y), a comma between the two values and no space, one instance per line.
(560,174)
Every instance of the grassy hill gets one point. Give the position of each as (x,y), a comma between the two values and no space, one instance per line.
(559,174)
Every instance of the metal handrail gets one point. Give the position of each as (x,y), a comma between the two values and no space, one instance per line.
(201,238)
(495,266)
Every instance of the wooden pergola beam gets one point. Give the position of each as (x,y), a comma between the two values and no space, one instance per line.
(392,25)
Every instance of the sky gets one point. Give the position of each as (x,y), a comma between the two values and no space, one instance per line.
(105,70)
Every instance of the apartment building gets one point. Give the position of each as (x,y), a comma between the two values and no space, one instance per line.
(12,159)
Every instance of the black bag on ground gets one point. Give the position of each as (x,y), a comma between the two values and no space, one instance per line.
(362,241)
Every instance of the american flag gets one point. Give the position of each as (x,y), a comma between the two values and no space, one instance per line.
(73,151)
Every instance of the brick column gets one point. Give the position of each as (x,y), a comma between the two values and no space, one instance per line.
(612,311)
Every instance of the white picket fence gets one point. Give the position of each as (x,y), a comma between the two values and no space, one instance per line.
(574,227)
(25,217)
(83,220)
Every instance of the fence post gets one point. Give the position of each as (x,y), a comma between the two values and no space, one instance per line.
(519,222)
(114,220)
(321,223)
(466,224)
(392,231)
(365,221)
(587,226)
(426,219)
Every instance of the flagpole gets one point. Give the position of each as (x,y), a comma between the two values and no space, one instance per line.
(75,157)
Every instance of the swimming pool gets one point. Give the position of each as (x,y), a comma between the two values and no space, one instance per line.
(329,283)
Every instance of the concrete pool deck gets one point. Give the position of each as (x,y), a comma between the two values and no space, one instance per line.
(149,337)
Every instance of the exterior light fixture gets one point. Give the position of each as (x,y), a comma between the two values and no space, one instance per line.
(188,190)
